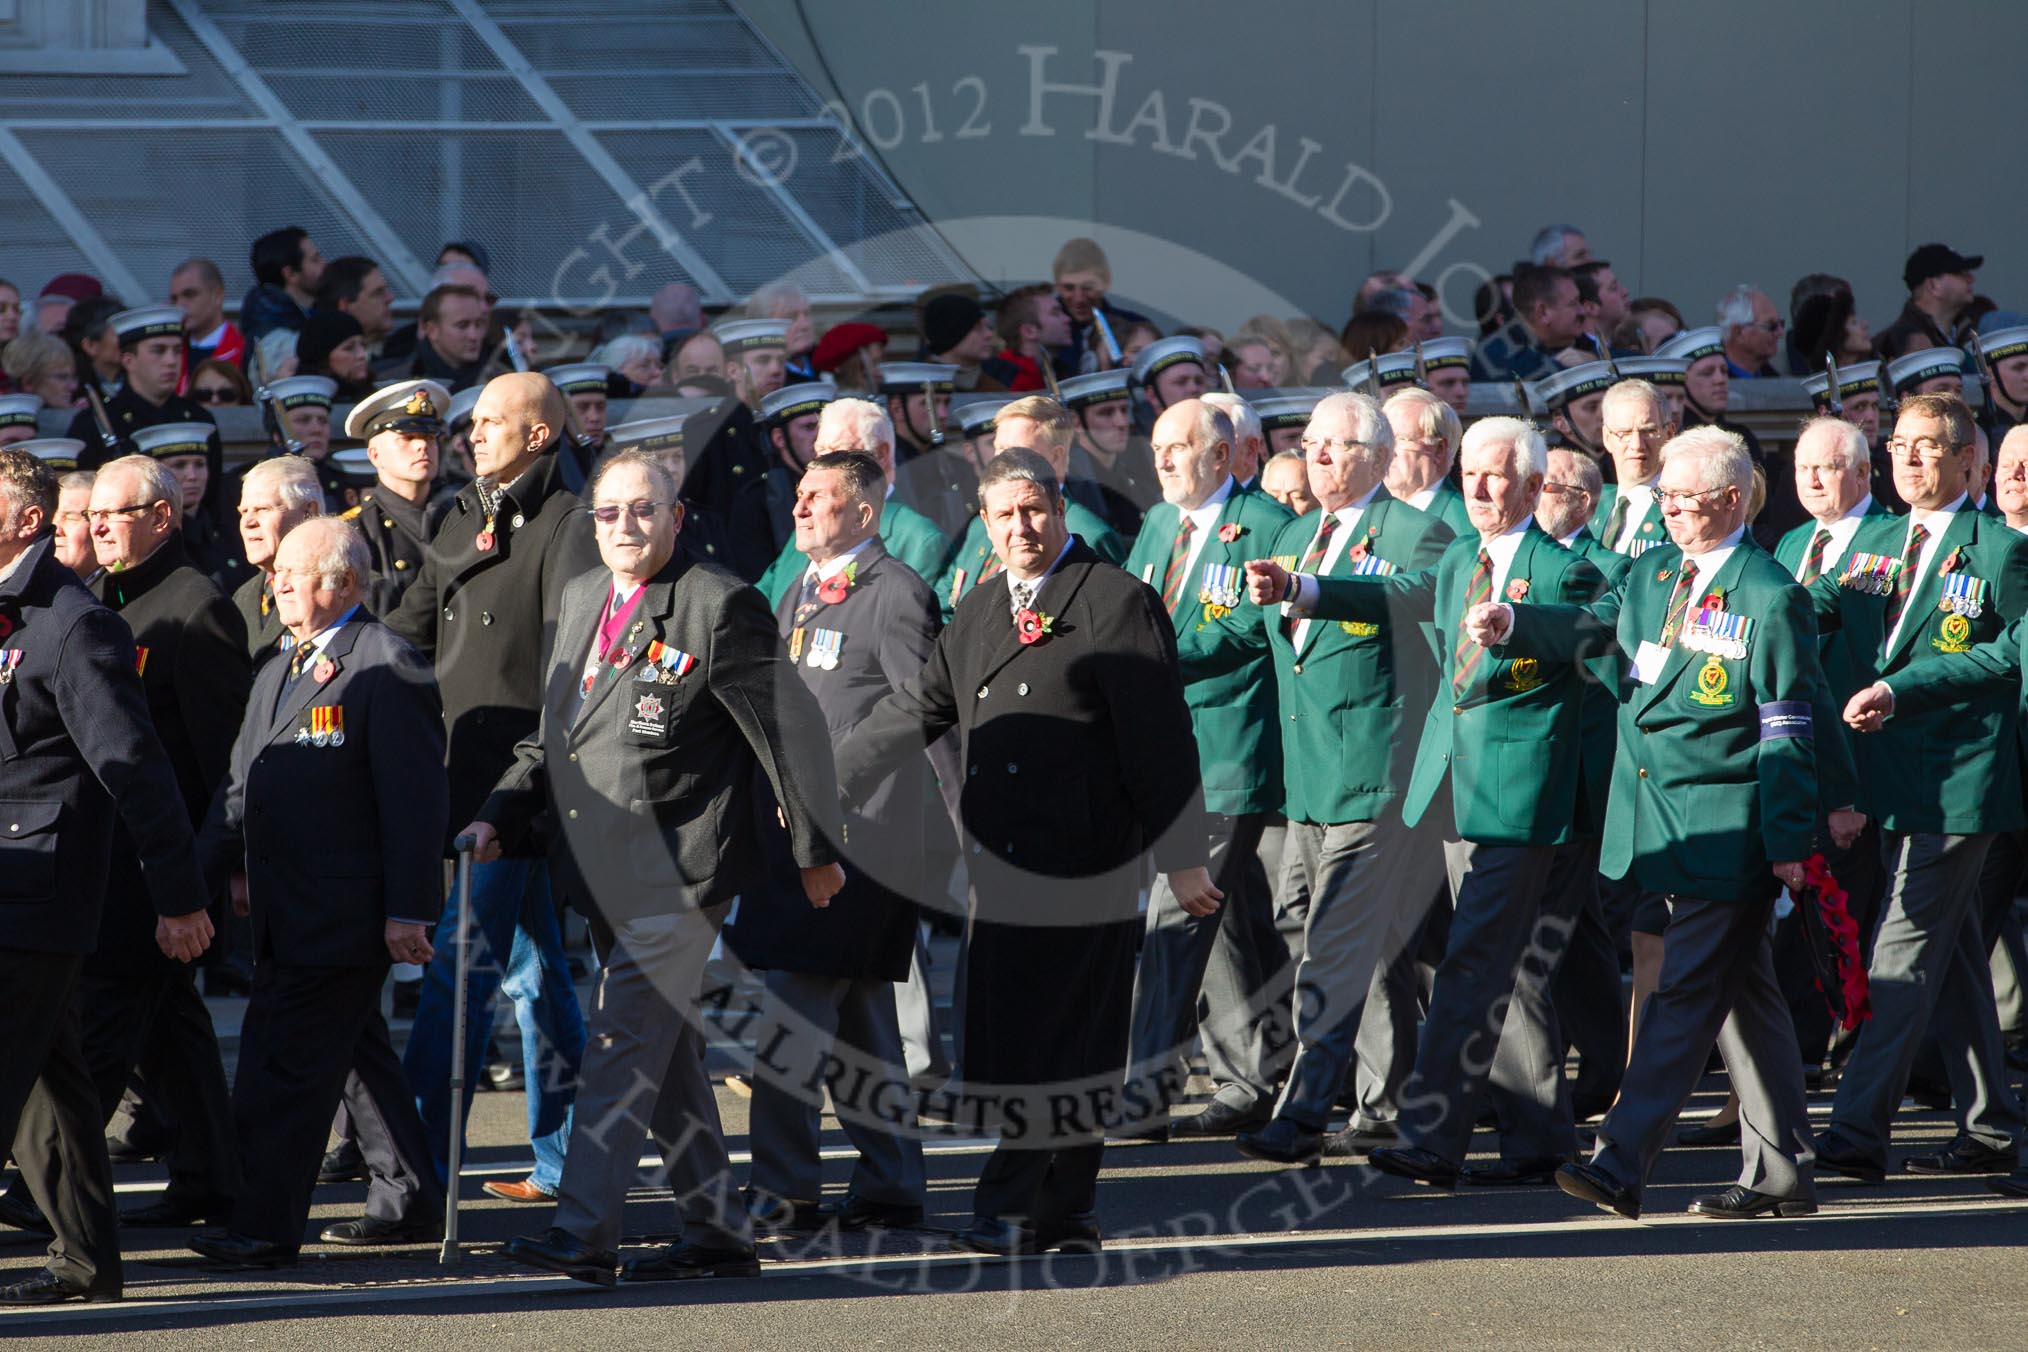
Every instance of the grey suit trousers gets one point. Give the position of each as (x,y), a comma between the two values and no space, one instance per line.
(1717,984)
(921,1024)
(815,1030)
(1588,990)
(643,1075)
(1931,971)
(1369,884)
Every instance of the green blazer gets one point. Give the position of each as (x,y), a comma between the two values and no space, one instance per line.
(1789,550)
(1715,772)
(1599,711)
(1344,696)
(1651,532)
(1957,770)
(1510,739)
(908,534)
(960,572)
(1228,679)
(1448,506)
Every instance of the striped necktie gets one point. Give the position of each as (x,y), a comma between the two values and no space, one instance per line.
(1179,559)
(1478,590)
(1616,521)
(1679,603)
(1904,581)
(1813,559)
(1313,560)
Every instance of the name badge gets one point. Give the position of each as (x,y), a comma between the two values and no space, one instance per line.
(1648,660)
(650,715)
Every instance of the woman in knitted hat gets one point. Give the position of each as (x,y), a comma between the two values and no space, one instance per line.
(334,345)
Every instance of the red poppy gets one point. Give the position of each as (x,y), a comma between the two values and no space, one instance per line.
(834,588)
(1031,627)
(1715,601)
(1230,531)
(1950,563)
(323,671)
(1517,588)
(1357,553)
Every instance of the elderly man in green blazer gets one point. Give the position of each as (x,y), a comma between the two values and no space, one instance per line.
(1347,693)
(1498,772)
(1910,593)
(1193,548)
(1714,805)
(1426,438)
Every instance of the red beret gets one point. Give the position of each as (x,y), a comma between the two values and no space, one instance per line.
(840,341)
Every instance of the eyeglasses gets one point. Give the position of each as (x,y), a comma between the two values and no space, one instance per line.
(215,394)
(639,511)
(1312,445)
(1928,450)
(1769,325)
(1551,486)
(99,515)
(1684,502)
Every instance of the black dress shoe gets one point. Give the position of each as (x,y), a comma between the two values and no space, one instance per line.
(1739,1203)
(1965,1156)
(1413,1162)
(781,1215)
(1072,1234)
(426,1229)
(689,1262)
(1835,1155)
(1355,1140)
(46,1288)
(990,1234)
(342,1164)
(1589,1183)
(1511,1173)
(22,1213)
(243,1250)
(558,1250)
(1281,1142)
(1220,1118)
(2013,1185)
(857,1213)
(176,1212)
(1723,1133)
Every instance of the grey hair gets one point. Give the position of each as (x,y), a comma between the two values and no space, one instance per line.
(648,462)
(1021,465)
(156,481)
(1634,388)
(1368,424)
(77,479)
(1245,423)
(1847,440)
(1547,247)
(1721,455)
(273,348)
(866,421)
(1281,457)
(294,481)
(336,549)
(1588,476)
(1432,416)
(775,295)
(617,352)
(1735,307)
(1527,452)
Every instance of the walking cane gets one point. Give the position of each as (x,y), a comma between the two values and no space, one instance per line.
(463,845)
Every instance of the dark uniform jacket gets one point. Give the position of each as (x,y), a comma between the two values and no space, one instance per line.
(190,648)
(334,806)
(398,534)
(256,607)
(726,451)
(486,617)
(851,654)
(644,787)
(77,748)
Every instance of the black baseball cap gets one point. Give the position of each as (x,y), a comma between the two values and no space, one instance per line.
(1937,260)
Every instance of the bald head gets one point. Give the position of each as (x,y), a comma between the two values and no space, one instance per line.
(519,416)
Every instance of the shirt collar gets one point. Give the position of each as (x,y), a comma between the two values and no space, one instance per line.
(1941,516)
(1201,517)
(829,568)
(325,635)
(1349,513)
(1709,562)
(1501,547)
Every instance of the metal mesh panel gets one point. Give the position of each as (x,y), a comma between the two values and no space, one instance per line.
(648,39)
(673,98)
(160,196)
(37,248)
(204,92)
(747,238)
(850,204)
(552,225)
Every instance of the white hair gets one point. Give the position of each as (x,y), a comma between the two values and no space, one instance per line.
(1735,307)
(1432,417)
(155,479)
(1635,388)
(617,352)
(1368,424)
(775,297)
(275,347)
(1527,452)
(1548,245)
(863,420)
(294,479)
(1848,441)
(1245,422)
(1722,458)
(336,549)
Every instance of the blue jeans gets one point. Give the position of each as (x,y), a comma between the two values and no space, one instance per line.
(511,913)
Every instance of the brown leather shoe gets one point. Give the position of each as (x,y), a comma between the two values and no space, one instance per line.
(525,1191)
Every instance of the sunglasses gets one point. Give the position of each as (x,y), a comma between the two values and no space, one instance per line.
(215,394)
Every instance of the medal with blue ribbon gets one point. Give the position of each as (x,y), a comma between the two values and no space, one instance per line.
(1221,585)
(1722,633)
(1964,595)
(825,645)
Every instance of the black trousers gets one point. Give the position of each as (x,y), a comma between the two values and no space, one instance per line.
(51,1113)
(123,1013)
(1040,1187)
(305,1029)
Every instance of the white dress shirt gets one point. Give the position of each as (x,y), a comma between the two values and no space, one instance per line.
(1639,498)
(1936,523)
(1033,584)
(821,573)
(1348,518)
(1842,530)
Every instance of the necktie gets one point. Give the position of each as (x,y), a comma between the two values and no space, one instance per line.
(1023,594)
(1616,522)
(1679,603)
(1904,581)
(299,657)
(1478,590)
(806,603)
(1813,558)
(1313,559)
(1179,559)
